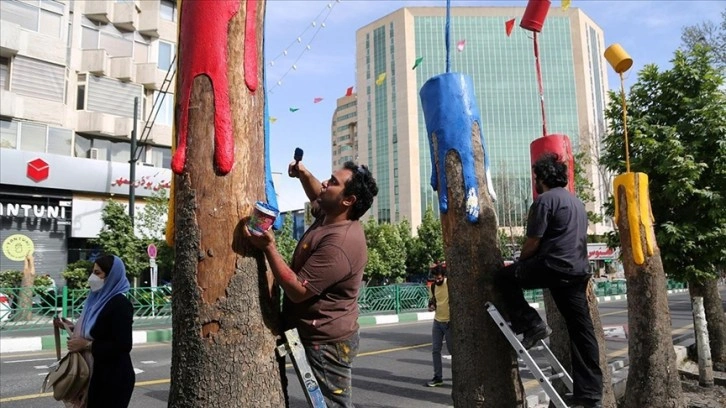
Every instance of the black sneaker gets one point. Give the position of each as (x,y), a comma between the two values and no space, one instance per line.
(535,334)
(435,382)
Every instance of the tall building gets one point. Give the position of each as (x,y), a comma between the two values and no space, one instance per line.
(70,72)
(392,137)
(345,130)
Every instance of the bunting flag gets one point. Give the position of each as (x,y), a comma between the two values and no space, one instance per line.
(417,63)
(294,109)
(381,78)
(349,91)
(273,119)
(565,5)
(460,45)
(509,26)
(317,100)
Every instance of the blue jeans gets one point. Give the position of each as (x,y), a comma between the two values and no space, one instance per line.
(438,332)
(331,365)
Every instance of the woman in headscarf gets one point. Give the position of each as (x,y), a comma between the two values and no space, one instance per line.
(103,335)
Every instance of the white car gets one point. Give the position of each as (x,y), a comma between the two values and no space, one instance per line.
(5,308)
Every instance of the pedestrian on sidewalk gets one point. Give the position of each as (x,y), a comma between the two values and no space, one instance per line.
(321,284)
(103,336)
(554,256)
(439,304)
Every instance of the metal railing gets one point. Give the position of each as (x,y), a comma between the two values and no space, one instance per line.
(34,308)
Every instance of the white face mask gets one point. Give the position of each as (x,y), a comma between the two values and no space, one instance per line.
(95,283)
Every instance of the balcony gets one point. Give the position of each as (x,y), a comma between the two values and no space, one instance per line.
(125,16)
(123,69)
(103,124)
(10,39)
(95,61)
(100,11)
(10,104)
(149,19)
(17,40)
(149,75)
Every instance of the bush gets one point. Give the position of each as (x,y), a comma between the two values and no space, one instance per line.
(11,279)
(76,278)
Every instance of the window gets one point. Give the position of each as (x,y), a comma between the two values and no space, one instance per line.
(117,43)
(167,10)
(4,73)
(166,55)
(81,94)
(40,16)
(33,137)
(81,146)
(60,141)
(165,108)
(8,134)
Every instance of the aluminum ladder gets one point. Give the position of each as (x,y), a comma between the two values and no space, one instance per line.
(544,381)
(294,347)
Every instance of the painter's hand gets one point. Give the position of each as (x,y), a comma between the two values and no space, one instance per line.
(259,241)
(295,169)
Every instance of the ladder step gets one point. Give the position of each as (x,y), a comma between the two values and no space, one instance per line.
(555,376)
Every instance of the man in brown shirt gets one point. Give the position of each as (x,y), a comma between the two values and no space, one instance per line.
(321,285)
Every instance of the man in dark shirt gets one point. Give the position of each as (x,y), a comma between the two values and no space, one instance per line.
(554,256)
(321,285)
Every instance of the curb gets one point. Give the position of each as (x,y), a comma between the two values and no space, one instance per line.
(39,343)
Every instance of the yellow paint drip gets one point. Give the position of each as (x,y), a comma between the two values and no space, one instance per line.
(639,213)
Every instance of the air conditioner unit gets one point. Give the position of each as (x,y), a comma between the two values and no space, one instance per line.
(94,153)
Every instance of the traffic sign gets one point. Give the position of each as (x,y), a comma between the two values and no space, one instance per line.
(151,250)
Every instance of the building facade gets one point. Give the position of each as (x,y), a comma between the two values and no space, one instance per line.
(345,130)
(70,73)
(392,137)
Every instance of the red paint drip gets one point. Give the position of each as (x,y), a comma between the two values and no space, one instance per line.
(251,59)
(203,36)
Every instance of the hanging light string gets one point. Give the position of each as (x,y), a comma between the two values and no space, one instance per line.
(324,14)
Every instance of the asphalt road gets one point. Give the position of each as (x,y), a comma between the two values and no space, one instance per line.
(390,371)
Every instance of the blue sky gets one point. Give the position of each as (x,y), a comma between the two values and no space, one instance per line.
(650,31)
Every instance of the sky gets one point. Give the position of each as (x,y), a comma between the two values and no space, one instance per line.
(650,31)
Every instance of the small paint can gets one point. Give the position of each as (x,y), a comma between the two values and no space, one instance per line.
(262,218)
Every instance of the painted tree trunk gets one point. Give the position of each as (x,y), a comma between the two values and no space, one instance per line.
(472,256)
(653,380)
(560,345)
(225,313)
(25,297)
(715,319)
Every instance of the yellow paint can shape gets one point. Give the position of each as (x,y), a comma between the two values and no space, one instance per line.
(639,213)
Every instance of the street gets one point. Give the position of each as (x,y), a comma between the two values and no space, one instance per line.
(390,371)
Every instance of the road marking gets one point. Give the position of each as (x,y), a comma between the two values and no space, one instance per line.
(138,371)
(28,360)
(148,362)
(41,367)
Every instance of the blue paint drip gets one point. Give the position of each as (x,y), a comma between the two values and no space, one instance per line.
(448,36)
(270,194)
(450,110)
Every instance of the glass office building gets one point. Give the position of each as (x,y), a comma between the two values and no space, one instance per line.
(392,136)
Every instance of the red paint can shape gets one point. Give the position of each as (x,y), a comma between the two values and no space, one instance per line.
(560,145)
(535,15)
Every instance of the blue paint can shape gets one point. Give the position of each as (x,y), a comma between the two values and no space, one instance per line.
(450,110)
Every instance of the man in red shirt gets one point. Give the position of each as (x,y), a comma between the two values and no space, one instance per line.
(321,285)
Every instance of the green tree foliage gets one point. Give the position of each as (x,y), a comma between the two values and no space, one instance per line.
(583,186)
(409,242)
(428,246)
(151,226)
(285,242)
(117,238)
(677,131)
(386,253)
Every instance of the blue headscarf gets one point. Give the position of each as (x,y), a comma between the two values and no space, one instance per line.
(114,283)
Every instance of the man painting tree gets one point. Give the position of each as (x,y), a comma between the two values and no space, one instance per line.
(225,312)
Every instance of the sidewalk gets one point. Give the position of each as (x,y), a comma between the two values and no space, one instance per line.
(40,339)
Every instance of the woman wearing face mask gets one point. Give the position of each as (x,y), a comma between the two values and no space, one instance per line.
(103,335)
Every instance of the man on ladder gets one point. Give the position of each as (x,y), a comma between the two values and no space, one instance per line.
(554,256)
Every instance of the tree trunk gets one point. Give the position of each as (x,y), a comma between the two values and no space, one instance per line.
(560,344)
(715,319)
(25,297)
(225,314)
(653,380)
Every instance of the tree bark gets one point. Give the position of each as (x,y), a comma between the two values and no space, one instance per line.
(560,344)
(715,319)
(472,256)
(653,380)
(25,298)
(225,313)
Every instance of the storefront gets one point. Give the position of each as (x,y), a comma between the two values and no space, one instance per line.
(605,262)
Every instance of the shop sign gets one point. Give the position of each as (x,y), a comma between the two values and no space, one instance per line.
(601,252)
(17,246)
(33,210)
